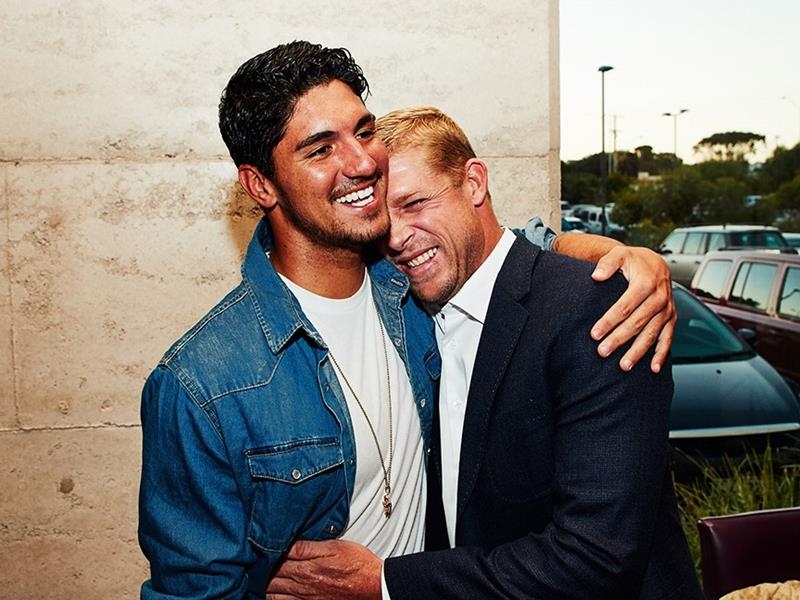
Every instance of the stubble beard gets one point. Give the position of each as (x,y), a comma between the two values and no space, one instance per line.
(339,234)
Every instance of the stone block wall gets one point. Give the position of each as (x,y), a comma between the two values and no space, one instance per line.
(122,221)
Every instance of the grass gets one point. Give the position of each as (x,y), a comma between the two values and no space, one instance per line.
(759,480)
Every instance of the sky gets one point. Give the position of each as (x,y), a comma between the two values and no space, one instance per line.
(734,65)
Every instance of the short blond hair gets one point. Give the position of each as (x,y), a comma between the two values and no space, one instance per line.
(426,127)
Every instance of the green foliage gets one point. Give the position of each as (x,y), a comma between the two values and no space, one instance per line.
(725,201)
(715,169)
(655,163)
(681,190)
(787,196)
(646,233)
(758,481)
(714,191)
(731,145)
(616,185)
(781,168)
(579,188)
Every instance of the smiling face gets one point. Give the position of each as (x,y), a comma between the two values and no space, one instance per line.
(329,187)
(436,239)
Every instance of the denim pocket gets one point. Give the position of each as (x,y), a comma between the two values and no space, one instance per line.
(294,462)
(299,491)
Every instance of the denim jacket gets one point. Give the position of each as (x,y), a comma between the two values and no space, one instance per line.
(247,441)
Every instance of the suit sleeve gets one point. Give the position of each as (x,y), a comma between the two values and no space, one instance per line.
(192,522)
(610,467)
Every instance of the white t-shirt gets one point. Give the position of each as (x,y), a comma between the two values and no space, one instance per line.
(351,329)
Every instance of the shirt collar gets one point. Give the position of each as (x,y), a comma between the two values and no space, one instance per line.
(473,297)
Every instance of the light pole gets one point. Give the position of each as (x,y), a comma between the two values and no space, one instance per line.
(675,116)
(793,103)
(604,163)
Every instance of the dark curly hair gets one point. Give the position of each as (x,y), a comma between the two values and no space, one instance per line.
(259,99)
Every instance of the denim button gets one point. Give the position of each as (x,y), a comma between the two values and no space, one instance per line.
(296,474)
(331,530)
(398,342)
(423,402)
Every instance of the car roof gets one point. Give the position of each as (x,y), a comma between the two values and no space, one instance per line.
(767,254)
(715,228)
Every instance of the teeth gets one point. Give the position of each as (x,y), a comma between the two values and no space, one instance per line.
(358,199)
(422,258)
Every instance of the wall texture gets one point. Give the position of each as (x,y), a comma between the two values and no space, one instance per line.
(122,221)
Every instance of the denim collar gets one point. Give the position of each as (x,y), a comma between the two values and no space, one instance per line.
(278,312)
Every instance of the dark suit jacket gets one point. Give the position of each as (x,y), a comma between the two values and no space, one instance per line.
(564,486)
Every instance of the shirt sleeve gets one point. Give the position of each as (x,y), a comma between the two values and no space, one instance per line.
(192,521)
(537,233)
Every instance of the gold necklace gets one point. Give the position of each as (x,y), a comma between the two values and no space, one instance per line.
(387,471)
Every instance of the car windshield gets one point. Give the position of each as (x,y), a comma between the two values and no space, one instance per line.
(700,335)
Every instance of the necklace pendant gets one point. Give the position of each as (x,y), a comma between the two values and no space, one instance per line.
(387,506)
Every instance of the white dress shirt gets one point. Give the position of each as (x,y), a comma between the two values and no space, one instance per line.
(459,325)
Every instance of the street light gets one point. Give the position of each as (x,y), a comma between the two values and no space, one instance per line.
(675,128)
(604,166)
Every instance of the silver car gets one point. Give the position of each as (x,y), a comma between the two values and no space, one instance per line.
(684,248)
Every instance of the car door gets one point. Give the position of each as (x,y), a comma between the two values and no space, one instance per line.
(786,343)
(709,284)
(748,304)
(683,264)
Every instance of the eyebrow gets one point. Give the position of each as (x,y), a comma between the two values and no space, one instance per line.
(327,134)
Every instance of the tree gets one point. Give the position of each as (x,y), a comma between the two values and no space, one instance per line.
(780,168)
(725,202)
(682,190)
(731,145)
(716,169)
(656,163)
(787,196)
(579,188)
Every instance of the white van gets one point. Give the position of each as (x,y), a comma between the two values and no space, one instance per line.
(593,217)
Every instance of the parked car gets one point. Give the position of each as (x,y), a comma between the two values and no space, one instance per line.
(684,248)
(758,291)
(726,396)
(793,239)
(592,216)
(569,223)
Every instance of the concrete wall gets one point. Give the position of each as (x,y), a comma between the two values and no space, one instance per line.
(122,222)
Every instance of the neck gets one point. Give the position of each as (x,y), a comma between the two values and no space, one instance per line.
(327,272)
(492,231)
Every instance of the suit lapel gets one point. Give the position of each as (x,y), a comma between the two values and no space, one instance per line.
(505,321)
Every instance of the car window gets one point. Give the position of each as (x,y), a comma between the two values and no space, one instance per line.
(773,239)
(711,281)
(674,242)
(789,302)
(757,239)
(716,241)
(752,285)
(694,243)
(700,334)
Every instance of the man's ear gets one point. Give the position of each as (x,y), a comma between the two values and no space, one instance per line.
(257,186)
(478,180)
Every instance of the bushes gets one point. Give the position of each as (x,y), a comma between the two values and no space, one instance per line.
(760,480)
